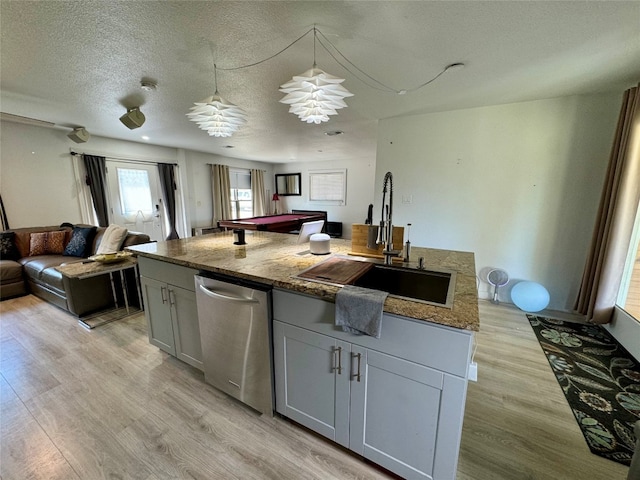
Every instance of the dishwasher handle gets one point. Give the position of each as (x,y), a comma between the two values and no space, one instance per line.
(213,294)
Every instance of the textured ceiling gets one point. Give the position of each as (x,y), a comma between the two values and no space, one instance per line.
(80,63)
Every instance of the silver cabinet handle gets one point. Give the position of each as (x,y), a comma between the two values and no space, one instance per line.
(338,361)
(172,298)
(359,357)
(164,298)
(213,294)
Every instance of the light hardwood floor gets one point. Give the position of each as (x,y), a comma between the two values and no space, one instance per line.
(78,404)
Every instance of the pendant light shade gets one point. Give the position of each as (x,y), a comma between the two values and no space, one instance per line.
(217,116)
(314,95)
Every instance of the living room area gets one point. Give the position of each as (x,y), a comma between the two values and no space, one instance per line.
(499,122)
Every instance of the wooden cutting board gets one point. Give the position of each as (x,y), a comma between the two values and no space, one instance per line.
(359,234)
(337,270)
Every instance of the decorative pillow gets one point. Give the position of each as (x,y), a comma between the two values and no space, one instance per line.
(55,242)
(112,239)
(46,243)
(8,249)
(80,243)
(37,244)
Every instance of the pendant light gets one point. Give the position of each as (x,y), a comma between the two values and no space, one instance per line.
(314,94)
(217,116)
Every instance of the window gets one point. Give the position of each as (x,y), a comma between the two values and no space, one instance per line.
(241,200)
(629,295)
(135,193)
(328,187)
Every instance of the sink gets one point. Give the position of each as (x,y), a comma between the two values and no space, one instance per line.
(435,287)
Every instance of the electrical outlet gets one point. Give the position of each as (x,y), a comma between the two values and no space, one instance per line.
(473,371)
(407,199)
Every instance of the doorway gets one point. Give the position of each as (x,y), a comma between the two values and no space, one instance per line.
(135,201)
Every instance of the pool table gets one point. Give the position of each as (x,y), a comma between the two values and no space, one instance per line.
(274,223)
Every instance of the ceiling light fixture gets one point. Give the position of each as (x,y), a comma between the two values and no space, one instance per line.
(79,135)
(133,119)
(217,116)
(314,94)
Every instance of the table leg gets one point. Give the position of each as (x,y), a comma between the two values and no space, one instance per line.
(136,271)
(113,290)
(123,282)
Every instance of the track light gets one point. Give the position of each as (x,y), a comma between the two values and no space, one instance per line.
(133,119)
(79,135)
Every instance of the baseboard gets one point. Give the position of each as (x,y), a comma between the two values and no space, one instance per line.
(626,330)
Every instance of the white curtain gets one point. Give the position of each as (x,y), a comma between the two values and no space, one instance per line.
(221,188)
(257,192)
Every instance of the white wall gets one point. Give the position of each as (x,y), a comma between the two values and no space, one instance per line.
(517,184)
(360,180)
(36,176)
(198,189)
(37,180)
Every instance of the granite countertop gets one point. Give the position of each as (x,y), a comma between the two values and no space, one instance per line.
(275,258)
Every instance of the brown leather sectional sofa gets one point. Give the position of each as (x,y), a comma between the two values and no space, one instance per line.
(38,275)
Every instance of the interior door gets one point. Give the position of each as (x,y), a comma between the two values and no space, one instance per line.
(134,197)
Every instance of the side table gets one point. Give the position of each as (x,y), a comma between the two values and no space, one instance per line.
(88,269)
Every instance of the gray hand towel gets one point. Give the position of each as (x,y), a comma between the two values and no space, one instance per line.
(359,310)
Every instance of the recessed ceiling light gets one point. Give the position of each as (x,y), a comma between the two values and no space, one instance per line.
(145,137)
(333,133)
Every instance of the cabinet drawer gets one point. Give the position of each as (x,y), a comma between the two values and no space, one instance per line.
(167,272)
(437,346)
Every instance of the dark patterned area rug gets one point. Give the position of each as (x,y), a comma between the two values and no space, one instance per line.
(600,380)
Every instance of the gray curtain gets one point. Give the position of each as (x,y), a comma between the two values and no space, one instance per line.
(168,184)
(221,188)
(616,216)
(257,192)
(3,216)
(97,180)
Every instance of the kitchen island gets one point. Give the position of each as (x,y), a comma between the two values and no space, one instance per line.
(275,259)
(398,400)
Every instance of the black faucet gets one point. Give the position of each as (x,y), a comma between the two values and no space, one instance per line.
(385,231)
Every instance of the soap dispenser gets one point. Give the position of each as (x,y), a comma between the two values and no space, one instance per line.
(407,245)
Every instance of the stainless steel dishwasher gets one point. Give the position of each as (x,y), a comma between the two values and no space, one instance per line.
(235,332)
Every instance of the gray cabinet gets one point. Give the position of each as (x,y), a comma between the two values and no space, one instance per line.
(312,384)
(170,309)
(404,416)
(381,399)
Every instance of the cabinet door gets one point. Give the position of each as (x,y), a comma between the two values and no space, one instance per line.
(159,325)
(395,413)
(312,380)
(186,329)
